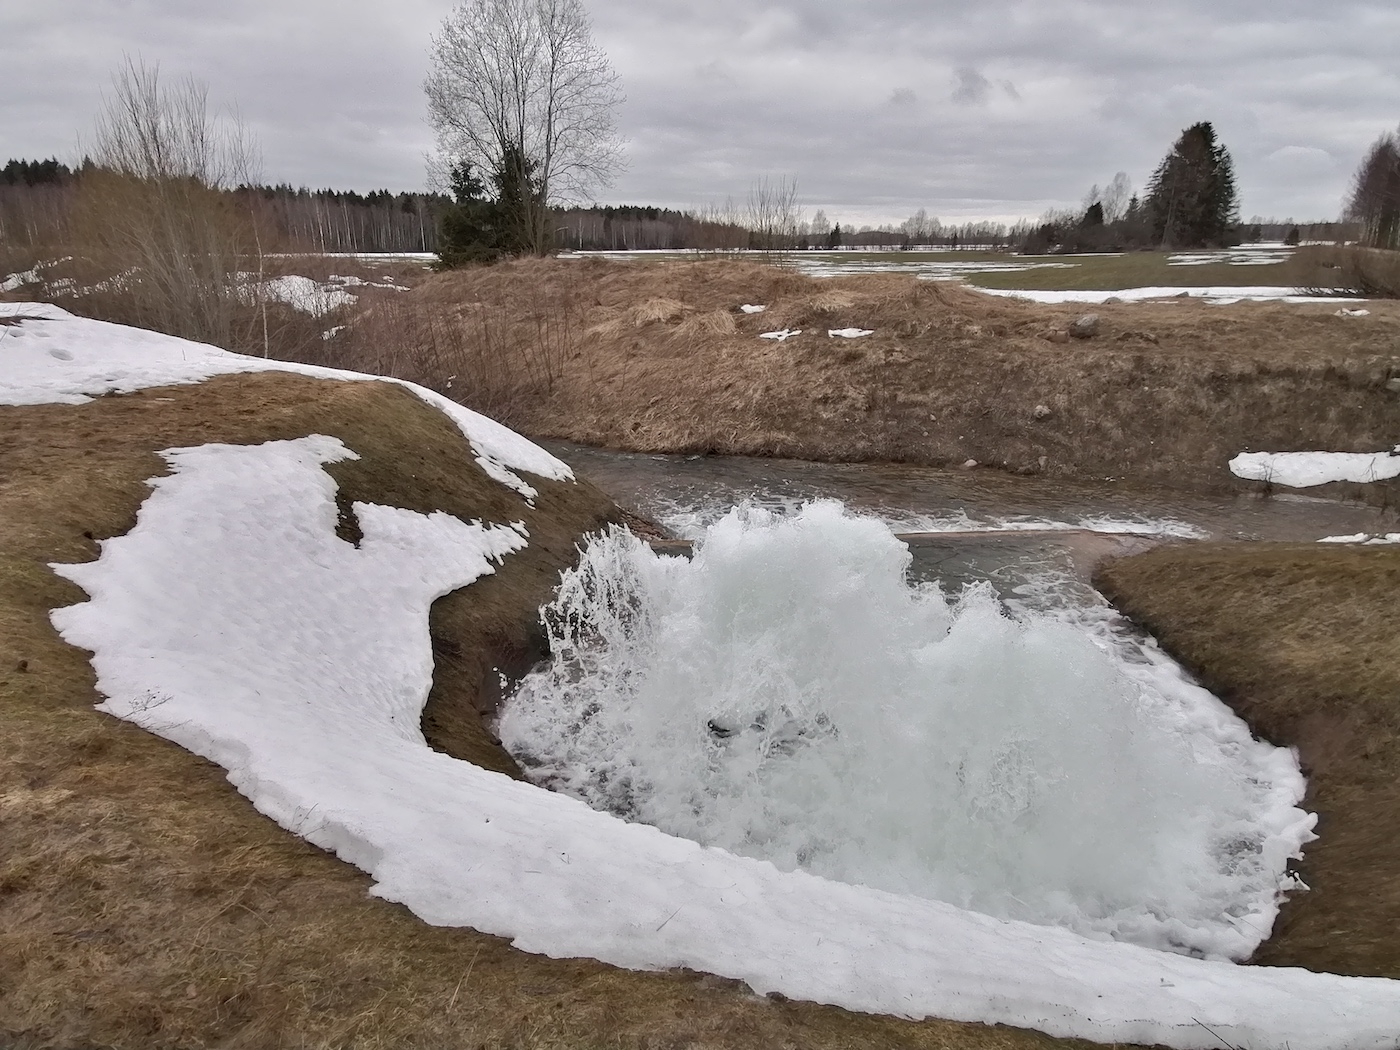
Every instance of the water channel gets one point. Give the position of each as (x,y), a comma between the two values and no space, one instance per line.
(955,713)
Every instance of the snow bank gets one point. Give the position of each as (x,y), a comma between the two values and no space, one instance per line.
(1369,538)
(1218,294)
(16,281)
(1304,469)
(235,553)
(63,359)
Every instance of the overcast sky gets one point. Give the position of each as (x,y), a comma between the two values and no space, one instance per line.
(994,109)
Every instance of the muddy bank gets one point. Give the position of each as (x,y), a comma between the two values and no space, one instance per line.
(660,357)
(1303,642)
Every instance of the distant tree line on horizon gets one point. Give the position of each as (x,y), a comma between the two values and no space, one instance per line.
(1190,201)
(37,200)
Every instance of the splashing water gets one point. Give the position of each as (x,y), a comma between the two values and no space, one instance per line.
(787,694)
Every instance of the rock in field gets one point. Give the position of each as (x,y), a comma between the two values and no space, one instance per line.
(1086,327)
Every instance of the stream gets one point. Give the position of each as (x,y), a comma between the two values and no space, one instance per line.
(952,712)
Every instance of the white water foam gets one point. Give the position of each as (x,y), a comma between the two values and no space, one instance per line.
(691,516)
(788,695)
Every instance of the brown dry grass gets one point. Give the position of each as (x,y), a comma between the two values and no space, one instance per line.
(145,904)
(1167,393)
(1304,642)
(1348,269)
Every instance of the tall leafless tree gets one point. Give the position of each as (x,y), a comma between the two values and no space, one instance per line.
(773,212)
(1374,201)
(518,89)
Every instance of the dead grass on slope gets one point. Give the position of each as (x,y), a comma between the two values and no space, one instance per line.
(145,904)
(1304,642)
(635,356)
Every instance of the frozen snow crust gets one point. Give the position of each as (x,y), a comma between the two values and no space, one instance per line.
(59,358)
(234,621)
(787,695)
(1305,469)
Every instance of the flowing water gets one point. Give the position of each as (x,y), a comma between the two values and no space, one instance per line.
(960,717)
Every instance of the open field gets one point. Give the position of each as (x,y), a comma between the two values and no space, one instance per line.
(1248,265)
(1143,270)
(658,357)
(1304,642)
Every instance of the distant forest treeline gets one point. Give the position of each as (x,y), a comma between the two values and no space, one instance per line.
(36,199)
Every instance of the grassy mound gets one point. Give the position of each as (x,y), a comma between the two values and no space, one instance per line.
(144,903)
(658,357)
(1304,642)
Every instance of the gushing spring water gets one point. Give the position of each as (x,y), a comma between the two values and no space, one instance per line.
(788,695)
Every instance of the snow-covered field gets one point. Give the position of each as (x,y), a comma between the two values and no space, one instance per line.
(235,553)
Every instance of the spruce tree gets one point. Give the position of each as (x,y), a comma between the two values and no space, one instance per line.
(1191,197)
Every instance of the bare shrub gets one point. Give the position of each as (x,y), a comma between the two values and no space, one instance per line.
(469,352)
(1334,269)
(152,220)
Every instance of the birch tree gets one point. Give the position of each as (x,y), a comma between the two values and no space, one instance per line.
(519,90)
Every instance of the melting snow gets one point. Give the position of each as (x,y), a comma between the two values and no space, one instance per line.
(1304,469)
(749,308)
(60,358)
(1364,538)
(236,553)
(848,333)
(782,335)
(1220,295)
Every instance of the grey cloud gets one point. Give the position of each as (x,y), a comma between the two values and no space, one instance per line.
(971,88)
(846,97)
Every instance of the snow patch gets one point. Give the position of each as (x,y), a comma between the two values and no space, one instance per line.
(849,333)
(782,335)
(1364,538)
(749,308)
(108,358)
(305,294)
(1215,294)
(1305,469)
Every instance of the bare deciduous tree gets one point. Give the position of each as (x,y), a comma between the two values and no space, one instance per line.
(1374,201)
(518,89)
(153,210)
(773,212)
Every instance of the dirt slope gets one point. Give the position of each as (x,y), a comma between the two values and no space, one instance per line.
(1304,642)
(658,357)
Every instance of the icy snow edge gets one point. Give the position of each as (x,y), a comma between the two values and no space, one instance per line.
(322,733)
(1304,469)
(59,358)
